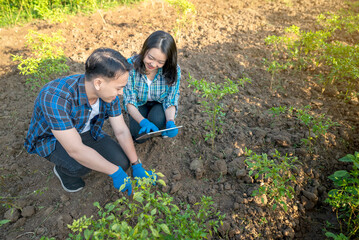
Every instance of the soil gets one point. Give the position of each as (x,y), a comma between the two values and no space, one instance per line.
(225,40)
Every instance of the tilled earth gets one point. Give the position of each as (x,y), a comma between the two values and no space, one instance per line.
(224,40)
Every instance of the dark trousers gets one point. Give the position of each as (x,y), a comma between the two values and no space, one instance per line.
(107,147)
(154,112)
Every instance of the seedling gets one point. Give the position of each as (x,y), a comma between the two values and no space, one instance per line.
(213,94)
(345,197)
(47,58)
(275,176)
(150,215)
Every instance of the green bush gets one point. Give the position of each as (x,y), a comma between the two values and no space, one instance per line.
(275,175)
(344,198)
(15,11)
(149,215)
(213,93)
(47,58)
(323,51)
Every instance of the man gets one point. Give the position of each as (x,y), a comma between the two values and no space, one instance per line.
(66,125)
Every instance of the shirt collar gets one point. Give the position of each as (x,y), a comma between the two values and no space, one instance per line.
(82,91)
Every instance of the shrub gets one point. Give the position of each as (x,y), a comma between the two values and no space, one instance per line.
(344,198)
(275,175)
(47,58)
(150,215)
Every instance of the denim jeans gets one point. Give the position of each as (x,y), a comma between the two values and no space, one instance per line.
(106,147)
(154,112)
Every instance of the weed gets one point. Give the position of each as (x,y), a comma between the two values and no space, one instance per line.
(20,11)
(316,125)
(151,214)
(345,197)
(275,176)
(213,93)
(47,58)
(186,10)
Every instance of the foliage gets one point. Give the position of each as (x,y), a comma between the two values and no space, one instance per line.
(323,50)
(15,11)
(275,175)
(213,93)
(344,198)
(186,10)
(316,125)
(47,58)
(150,215)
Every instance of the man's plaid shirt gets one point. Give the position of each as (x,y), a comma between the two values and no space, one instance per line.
(63,104)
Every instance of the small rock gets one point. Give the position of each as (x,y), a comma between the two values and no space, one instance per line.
(261,200)
(221,167)
(191,199)
(311,196)
(64,198)
(199,173)
(283,141)
(308,205)
(28,211)
(236,206)
(240,173)
(177,177)
(176,187)
(13,214)
(227,186)
(228,152)
(239,151)
(289,232)
(195,164)
(224,228)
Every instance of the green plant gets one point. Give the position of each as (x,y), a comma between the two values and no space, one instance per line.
(317,125)
(275,176)
(186,10)
(20,11)
(150,215)
(47,58)
(213,93)
(344,198)
(322,50)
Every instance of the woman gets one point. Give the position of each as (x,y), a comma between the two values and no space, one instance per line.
(152,92)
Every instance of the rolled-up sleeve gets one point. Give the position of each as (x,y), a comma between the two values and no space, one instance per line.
(173,93)
(129,93)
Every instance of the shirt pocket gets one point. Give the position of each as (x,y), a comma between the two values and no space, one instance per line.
(160,93)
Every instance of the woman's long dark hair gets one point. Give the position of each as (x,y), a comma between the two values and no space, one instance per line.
(165,42)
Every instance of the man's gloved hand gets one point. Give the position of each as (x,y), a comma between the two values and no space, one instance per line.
(120,177)
(147,126)
(139,171)
(171,133)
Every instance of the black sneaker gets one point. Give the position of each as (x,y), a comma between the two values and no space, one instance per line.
(70,184)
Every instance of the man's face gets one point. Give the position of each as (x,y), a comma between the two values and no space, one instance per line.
(110,89)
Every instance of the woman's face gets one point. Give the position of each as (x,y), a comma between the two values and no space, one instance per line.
(154,59)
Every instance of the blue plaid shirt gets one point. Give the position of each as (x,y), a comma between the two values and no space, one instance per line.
(63,104)
(136,90)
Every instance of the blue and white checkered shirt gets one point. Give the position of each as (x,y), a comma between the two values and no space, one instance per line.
(63,104)
(136,90)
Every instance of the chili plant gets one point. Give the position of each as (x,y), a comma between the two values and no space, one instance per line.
(213,93)
(47,58)
(275,176)
(149,215)
(344,198)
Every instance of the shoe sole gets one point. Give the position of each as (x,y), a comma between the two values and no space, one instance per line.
(63,186)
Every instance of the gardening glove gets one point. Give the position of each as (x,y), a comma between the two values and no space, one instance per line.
(139,171)
(147,126)
(119,178)
(171,133)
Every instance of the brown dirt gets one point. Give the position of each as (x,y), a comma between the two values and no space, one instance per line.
(226,40)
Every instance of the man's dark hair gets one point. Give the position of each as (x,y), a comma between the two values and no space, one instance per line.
(165,42)
(107,63)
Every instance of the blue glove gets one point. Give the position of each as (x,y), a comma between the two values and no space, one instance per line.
(171,133)
(139,171)
(120,177)
(147,126)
